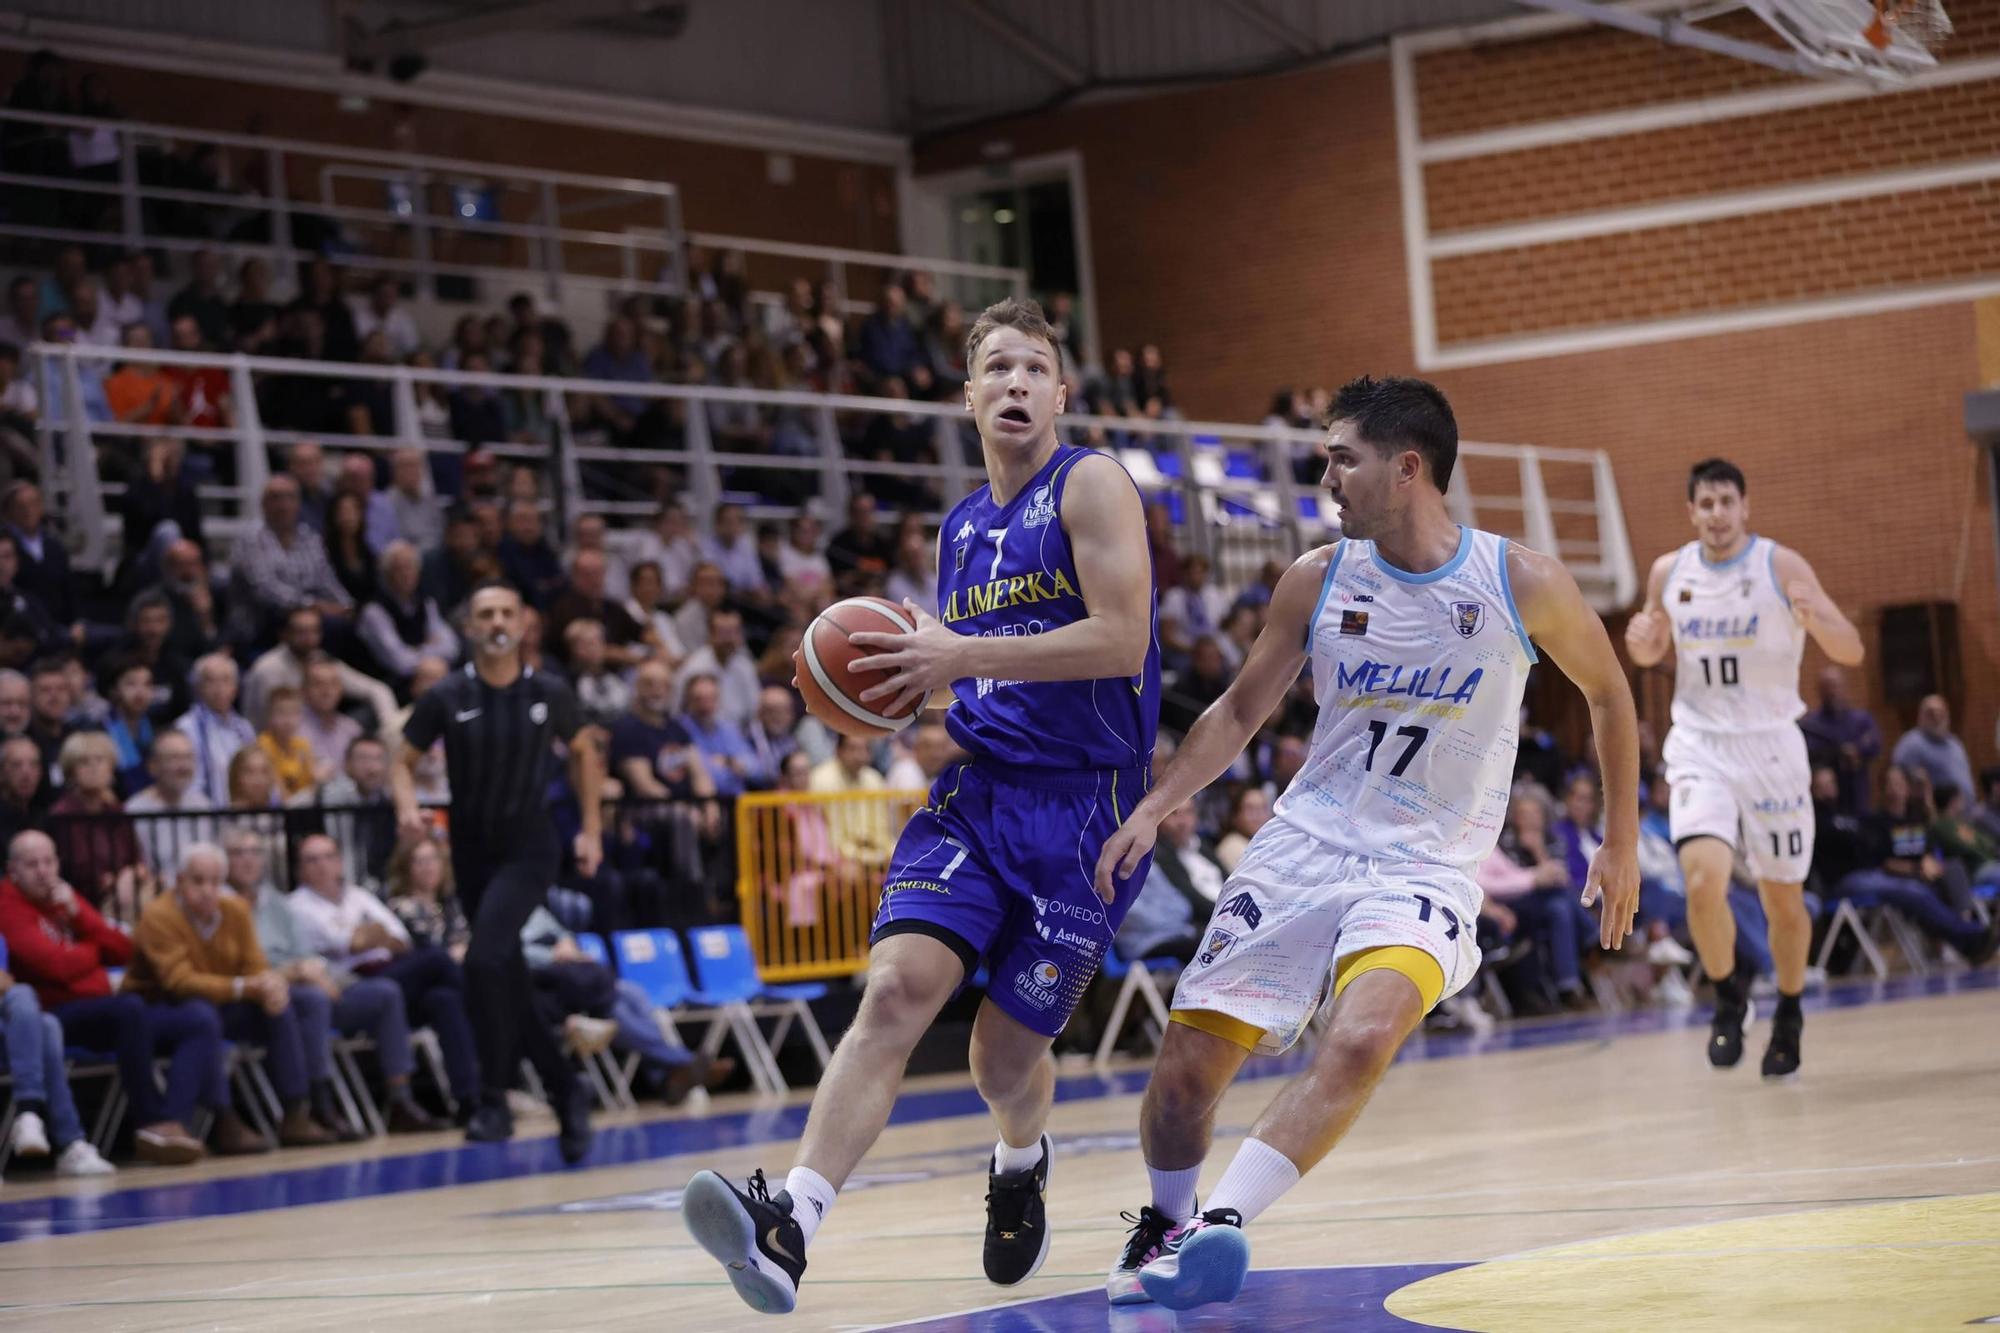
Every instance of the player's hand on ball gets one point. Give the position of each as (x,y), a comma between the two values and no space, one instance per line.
(923,660)
(1614,880)
(589,850)
(1123,852)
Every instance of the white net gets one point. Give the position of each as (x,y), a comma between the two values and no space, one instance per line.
(1853,37)
(1922,20)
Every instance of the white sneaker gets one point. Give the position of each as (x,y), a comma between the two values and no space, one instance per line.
(30,1138)
(1672,991)
(80,1159)
(1667,951)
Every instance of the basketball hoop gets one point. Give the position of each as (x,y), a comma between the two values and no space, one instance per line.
(1923,20)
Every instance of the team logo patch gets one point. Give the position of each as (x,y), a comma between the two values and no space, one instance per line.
(1687,594)
(1217,944)
(1354,623)
(1245,907)
(1041,509)
(1745,586)
(538,712)
(1041,904)
(1466,618)
(1046,974)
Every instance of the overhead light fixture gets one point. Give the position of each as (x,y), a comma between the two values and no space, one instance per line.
(1003,216)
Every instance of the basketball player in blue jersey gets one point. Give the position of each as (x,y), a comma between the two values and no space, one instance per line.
(1735,609)
(1045,635)
(1419,634)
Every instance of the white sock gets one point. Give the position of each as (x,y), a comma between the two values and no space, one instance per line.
(1173,1191)
(1007,1158)
(811,1198)
(1257,1176)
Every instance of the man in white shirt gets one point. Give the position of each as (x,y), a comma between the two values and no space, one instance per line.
(328,730)
(591,534)
(285,664)
(932,751)
(408,510)
(800,561)
(708,592)
(172,765)
(402,626)
(726,658)
(733,550)
(216,728)
(384,310)
(1192,611)
(671,546)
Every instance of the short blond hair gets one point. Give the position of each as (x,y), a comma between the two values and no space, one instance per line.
(84,745)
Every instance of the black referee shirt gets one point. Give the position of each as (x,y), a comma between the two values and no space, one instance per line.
(499,746)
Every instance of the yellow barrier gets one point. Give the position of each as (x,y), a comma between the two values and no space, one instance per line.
(809,876)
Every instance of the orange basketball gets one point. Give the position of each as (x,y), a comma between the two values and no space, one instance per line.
(832,688)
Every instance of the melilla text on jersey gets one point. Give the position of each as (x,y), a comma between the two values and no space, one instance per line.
(1437,690)
(1717,629)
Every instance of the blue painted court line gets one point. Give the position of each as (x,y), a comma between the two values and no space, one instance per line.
(89,1210)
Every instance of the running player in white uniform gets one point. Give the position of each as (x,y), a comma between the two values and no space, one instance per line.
(1735,609)
(1419,634)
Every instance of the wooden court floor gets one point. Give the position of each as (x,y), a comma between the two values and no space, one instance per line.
(1605,1179)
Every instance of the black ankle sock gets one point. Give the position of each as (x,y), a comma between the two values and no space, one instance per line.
(1788,1005)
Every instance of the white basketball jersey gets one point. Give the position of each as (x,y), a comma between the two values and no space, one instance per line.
(1419,680)
(1736,645)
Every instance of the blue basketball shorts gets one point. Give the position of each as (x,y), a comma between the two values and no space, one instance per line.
(1000,867)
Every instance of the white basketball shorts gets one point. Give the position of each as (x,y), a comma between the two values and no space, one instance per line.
(1298,910)
(1751,789)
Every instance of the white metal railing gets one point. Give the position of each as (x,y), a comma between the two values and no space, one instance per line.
(428,211)
(1233,490)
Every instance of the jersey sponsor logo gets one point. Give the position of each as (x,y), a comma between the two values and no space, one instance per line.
(1357,597)
(538,712)
(1780,805)
(1217,943)
(1713,629)
(1046,973)
(1354,623)
(1037,985)
(1370,677)
(964,533)
(1041,508)
(1245,907)
(927,885)
(1466,618)
(1000,594)
(1075,911)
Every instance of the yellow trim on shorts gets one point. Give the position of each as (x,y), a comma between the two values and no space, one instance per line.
(1232,1030)
(1424,971)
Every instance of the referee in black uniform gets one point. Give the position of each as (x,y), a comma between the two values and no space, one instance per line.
(500,721)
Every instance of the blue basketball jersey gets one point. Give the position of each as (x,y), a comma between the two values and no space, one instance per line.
(1008,569)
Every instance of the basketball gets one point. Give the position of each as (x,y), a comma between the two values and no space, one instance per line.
(831,687)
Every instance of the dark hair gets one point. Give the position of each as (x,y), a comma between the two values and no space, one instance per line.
(486,585)
(1018,313)
(47,666)
(1716,472)
(1395,413)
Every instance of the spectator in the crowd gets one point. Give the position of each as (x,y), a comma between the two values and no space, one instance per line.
(1959,839)
(861,550)
(526,558)
(931,752)
(707,594)
(453,570)
(1547,905)
(286,664)
(347,548)
(87,708)
(671,545)
(213,724)
(328,730)
(149,624)
(306,465)
(326,298)
(1192,609)
(915,577)
(888,343)
(402,626)
(1189,692)
(423,898)
(59,944)
(94,840)
(731,762)
(478,413)
(586,597)
(1986,816)
(202,301)
(172,765)
(24,610)
(293,765)
(1930,747)
(1249,810)
(350,927)
(129,683)
(646,607)
(1160,544)
(253,785)
(161,510)
(328,999)
(48,711)
(33,1054)
(25,793)
(591,533)
(621,359)
(726,659)
(184,584)
(1842,737)
(45,569)
(253,315)
(771,733)
(1890,857)
(407,509)
(197,945)
(282,565)
(860,829)
(1174,904)
(654,756)
(384,310)
(141,393)
(361,815)
(600,689)
(14,705)
(801,564)
(21,322)
(732,549)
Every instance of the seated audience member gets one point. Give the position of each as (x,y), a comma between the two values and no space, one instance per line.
(707,593)
(149,621)
(1889,857)
(129,685)
(729,759)
(326,729)
(1249,810)
(802,565)
(732,549)
(1189,692)
(33,1055)
(584,598)
(655,757)
(1959,839)
(44,559)
(914,579)
(1191,610)
(198,945)
(172,765)
(432,786)
(22,608)
(772,733)
(408,510)
(932,751)
(646,605)
(298,648)
(213,724)
(403,626)
(1843,738)
(570,986)
(94,840)
(59,944)
(351,928)
(422,896)
(282,564)
(361,814)
(25,796)
(671,546)
(1173,907)
(726,658)
(591,533)
(48,711)
(13,703)
(328,999)
(599,688)
(184,584)
(1986,815)
(253,785)
(453,570)
(293,763)
(1930,748)
(860,829)
(1547,903)
(526,559)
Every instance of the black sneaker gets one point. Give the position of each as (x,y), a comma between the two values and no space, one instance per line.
(574,1118)
(1149,1234)
(1781,1057)
(490,1124)
(754,1236)
(1725,1032)
(1017,1220)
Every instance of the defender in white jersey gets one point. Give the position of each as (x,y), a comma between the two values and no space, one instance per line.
(1419,634)
(1735,609)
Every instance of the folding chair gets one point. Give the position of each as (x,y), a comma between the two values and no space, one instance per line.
(1847,918)
(606,1073)
(655,961)
(357,1099)
(727,969)
(1135,982)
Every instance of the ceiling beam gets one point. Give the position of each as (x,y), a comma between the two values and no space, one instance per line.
(401,39)
(1038,53)
(1271,25)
